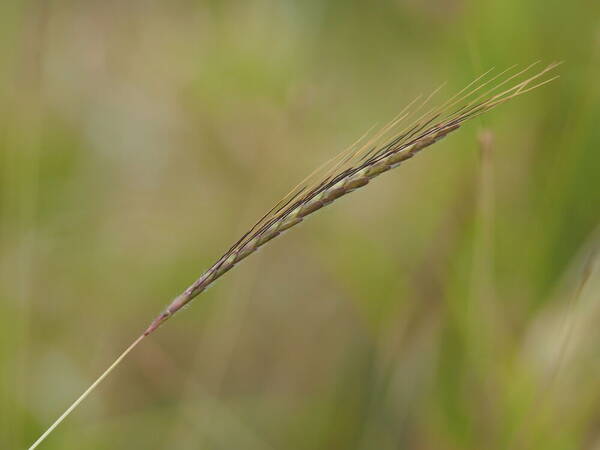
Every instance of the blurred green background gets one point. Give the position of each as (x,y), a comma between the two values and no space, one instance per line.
(437,309)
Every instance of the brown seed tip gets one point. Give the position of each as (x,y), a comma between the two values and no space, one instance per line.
(157,323)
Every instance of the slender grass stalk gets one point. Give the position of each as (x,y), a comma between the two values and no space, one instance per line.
(350,170)
(87,392)
(542,401)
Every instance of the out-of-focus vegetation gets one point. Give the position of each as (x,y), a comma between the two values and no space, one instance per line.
(437,309)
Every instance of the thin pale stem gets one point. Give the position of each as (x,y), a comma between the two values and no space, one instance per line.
(87,392)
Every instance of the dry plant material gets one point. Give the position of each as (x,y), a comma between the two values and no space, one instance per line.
(403,138)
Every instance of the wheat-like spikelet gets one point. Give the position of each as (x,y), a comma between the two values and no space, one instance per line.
(355,169)
(347,172)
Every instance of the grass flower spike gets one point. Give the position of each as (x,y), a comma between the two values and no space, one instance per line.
(411,132)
